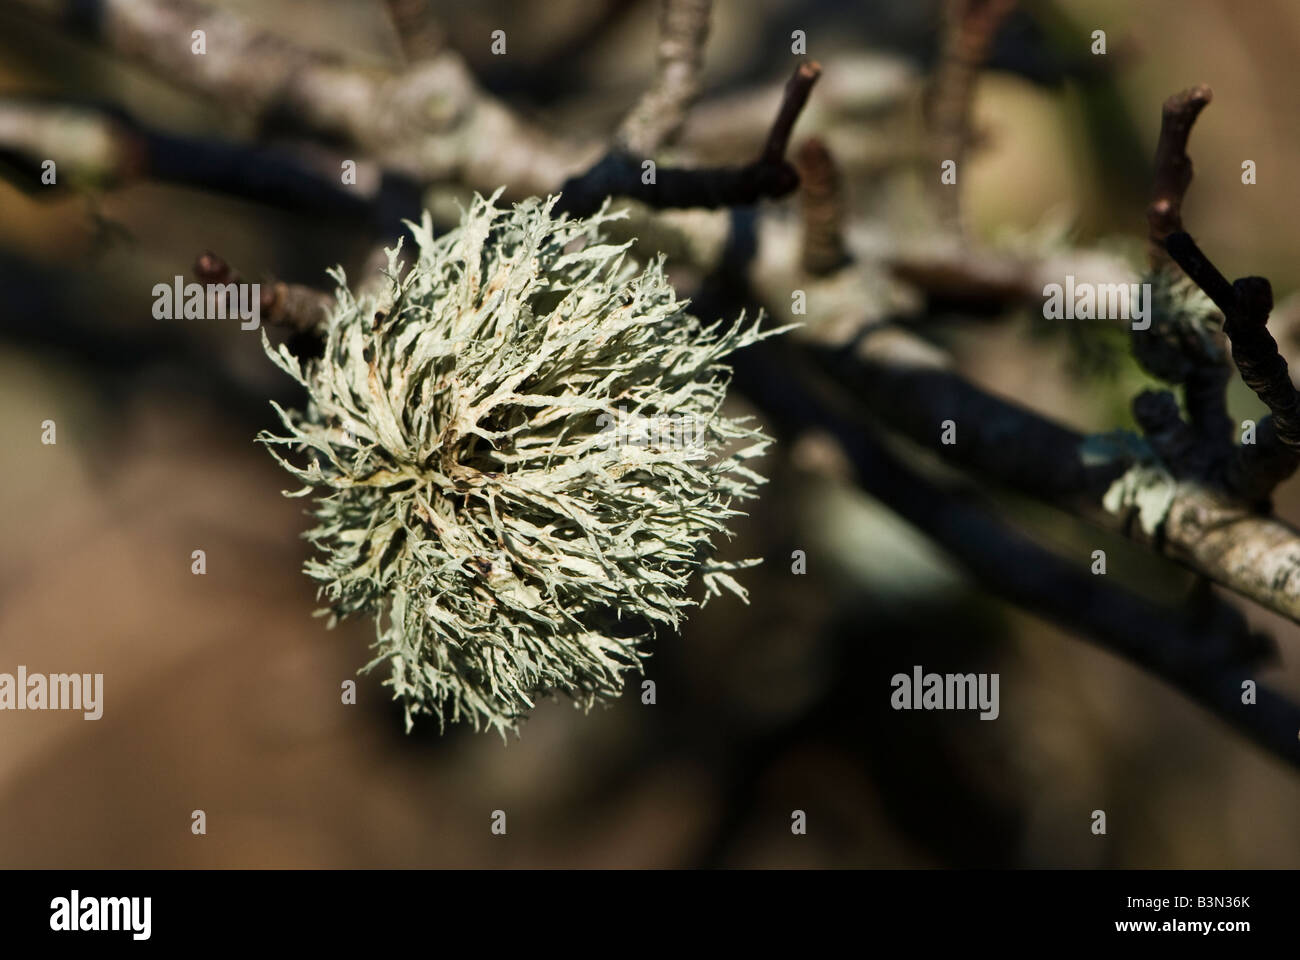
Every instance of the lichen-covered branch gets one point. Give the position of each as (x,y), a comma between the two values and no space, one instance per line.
(1254,470)
(907,386)
(1206,651)
(1246,304)
(1179,344)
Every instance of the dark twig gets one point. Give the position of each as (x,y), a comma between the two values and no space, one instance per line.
(1165,350)
(105,146)
(1173,166)
(1184,251)
(1245,305)
(797,89)
(769,176)
(1207,659)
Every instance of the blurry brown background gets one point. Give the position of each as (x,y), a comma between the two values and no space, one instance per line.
(222,691)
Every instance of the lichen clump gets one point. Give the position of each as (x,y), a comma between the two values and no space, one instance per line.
(519,460)
(1183,335)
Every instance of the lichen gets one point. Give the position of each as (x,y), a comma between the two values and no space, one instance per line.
(1146,486)
(1183,331)
(476,490)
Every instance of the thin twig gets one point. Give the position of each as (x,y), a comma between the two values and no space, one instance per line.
(107,147)
(769,176)
(1173,174)
(297,307)
(1201,367)
(1245,305)
(795,97)
(969,29)
(661,111)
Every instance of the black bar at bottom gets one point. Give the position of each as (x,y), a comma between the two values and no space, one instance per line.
(533,908)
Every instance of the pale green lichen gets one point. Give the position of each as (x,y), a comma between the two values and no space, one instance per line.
(1146,487)
(475,491)
(1184,323)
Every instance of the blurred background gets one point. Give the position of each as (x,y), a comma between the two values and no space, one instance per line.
(222,692)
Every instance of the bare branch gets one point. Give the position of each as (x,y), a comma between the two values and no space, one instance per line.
(1173,166)
(431,122)
(661,111)
(297,307)
(96,148)
(769,176)
(969,29)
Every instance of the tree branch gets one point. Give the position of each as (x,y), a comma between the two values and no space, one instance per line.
(909,389)
(301,308)
(968,32)
(768,176)
(106,147)
(1166,350)
(1173,166)
(1204,653)
(431,122)
(906,386)
(661,111)
(1245,305)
